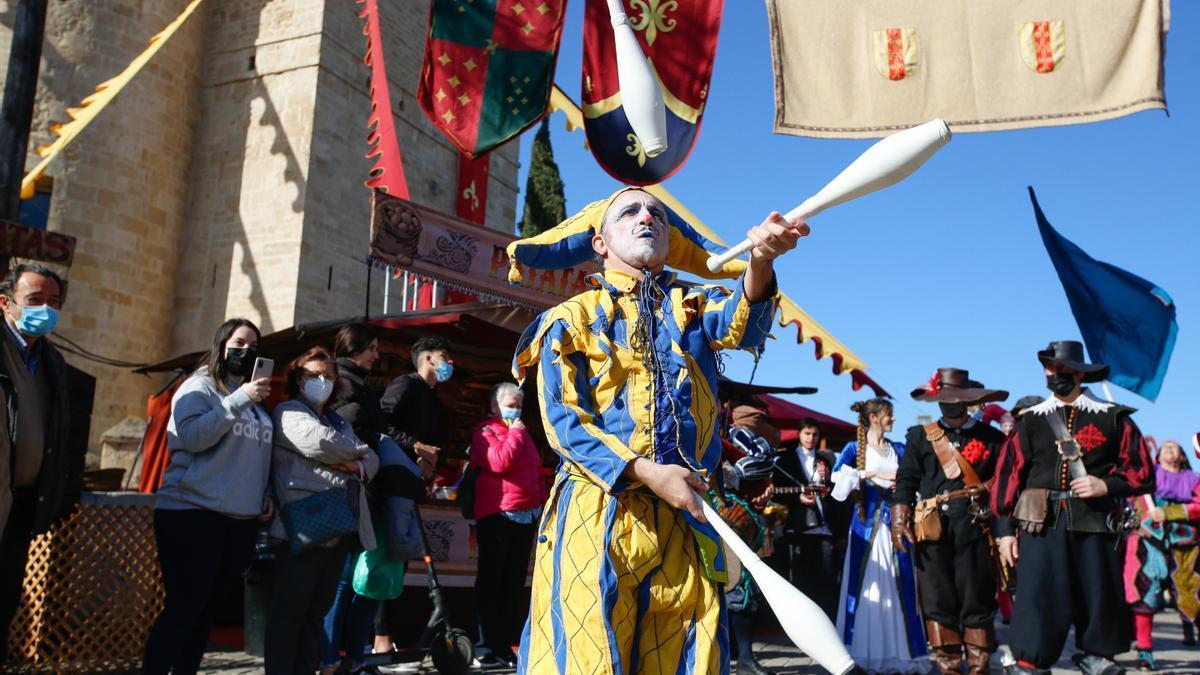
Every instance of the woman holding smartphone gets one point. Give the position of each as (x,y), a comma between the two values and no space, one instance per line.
(213,494)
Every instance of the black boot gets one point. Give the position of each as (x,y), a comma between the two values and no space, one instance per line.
(1189,634)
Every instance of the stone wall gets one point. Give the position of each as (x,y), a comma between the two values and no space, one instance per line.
(227,179)
(121,186)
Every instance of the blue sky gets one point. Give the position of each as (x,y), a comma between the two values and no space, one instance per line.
(874,271)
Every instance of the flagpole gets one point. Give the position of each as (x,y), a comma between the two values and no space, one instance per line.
(1107,392)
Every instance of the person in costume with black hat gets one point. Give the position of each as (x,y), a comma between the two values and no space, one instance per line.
(1062,478)
(945,473)
(627,569)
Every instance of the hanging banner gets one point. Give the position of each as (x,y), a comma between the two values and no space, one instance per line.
(463,256)
(680,41)
(489,66)
(388,172)
(867,68)
(95,102)
(471,201)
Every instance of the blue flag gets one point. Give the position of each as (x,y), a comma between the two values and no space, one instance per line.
(1126,321)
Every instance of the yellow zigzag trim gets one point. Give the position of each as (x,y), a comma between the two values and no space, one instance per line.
(93,104)
(789,312)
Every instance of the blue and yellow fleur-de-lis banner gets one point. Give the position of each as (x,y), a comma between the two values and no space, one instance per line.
(680,40)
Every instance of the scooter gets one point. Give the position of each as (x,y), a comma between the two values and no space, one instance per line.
(450,648)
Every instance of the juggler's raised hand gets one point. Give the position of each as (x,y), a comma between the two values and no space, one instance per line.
(774,237)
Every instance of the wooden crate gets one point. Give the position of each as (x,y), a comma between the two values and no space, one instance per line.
(92,591)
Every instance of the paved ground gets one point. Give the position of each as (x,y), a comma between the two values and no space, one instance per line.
(781,656)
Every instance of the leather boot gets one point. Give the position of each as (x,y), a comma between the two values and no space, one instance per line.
(947,647)
(980,644)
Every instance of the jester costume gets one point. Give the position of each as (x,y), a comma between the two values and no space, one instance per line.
(1164,556)
(623,582)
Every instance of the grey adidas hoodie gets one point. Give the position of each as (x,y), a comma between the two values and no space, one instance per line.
(220,449)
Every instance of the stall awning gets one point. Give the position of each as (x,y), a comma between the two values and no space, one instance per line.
(786,414)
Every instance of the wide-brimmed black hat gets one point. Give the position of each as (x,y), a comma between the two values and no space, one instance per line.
(1069,354)
(954,385)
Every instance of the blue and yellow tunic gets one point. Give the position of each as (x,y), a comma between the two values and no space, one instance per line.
(622,582)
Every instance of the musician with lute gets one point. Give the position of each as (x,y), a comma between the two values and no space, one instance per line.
(814,538)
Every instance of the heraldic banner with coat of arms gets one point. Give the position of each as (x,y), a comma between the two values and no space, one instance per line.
(679,39)
(867,68)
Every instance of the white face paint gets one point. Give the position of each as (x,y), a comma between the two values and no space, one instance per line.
(635,232)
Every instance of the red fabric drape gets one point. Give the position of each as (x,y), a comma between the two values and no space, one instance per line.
(154,444)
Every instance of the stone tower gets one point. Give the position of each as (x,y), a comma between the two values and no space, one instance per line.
(226,179)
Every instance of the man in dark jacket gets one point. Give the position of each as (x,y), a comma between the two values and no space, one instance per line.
(816,524)
(416,418)
(39,481)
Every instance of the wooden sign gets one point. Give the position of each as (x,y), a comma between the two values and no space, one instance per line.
(22,241)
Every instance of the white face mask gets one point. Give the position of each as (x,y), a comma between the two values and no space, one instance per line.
(317,390)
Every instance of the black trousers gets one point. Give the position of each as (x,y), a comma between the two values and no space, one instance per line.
(814,570)
(956,580)
(14,552)
(1067,578)
(301,594)
(501,601)
(202,555)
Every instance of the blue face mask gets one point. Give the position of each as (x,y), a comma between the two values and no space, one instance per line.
(443,371)
(510,414)
(37,320)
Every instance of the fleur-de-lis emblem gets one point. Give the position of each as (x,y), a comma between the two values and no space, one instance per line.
(635,149)
(653,17)
(470,196)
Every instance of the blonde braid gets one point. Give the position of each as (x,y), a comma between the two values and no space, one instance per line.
(865,409)
(860,463)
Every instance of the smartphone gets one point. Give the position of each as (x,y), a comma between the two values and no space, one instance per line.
(262,368)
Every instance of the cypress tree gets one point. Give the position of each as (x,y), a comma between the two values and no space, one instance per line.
(545,205)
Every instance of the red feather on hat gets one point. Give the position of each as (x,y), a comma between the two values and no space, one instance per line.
(935,384)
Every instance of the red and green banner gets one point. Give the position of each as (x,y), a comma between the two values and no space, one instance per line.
(489,66)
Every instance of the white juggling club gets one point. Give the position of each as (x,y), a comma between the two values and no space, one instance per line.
(802,619)
(640,95)
(888,162)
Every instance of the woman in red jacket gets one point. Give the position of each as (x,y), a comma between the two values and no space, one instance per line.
(509,493)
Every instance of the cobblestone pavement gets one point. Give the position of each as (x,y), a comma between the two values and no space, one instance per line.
(781,656)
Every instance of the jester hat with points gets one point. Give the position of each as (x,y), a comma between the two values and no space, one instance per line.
(570,243)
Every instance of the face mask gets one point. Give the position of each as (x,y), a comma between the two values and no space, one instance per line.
(1061,383)
(443,371)
(37,320)
(953,411)
(317,390)
(239,361)
(510,414)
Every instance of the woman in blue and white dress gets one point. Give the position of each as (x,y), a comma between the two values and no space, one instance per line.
(878,617)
